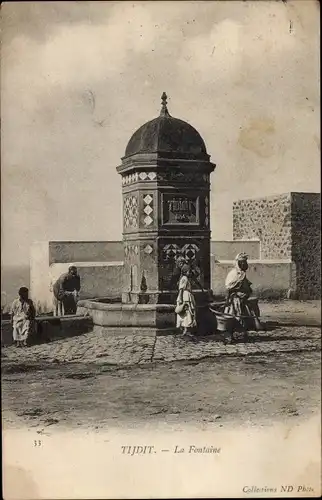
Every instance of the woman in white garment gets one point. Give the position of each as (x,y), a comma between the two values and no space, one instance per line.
(186,307)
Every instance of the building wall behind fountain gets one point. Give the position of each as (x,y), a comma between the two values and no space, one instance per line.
(100,266)
(306,243)
(101,279)
(227,250)
(85,251)
(288,227)
(270,279)
(267,219)
(281,235)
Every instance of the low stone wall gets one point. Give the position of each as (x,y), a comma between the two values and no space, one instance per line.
(48,328)
(270,279)
(85,251)
(95,260)
(98,279)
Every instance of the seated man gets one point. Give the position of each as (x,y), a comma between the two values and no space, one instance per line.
(66,290)
(239,291)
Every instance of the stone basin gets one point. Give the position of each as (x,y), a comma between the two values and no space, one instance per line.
(151,319)
(145,319)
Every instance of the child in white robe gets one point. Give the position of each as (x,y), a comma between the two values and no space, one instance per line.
(22,317)
(186,307)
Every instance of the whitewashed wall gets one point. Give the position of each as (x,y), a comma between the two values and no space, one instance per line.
(270,279)
(99,277)
(102,278)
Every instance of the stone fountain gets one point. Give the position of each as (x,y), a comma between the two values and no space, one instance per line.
(166,227)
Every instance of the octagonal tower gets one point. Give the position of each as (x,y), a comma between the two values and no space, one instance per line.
(166,211)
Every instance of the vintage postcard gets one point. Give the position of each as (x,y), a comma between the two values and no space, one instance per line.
(161,249)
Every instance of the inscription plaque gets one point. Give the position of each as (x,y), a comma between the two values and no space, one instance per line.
(180,209)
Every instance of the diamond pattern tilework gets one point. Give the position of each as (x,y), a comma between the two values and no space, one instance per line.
(148,249)
(129,179)
(148,209)
(130,212)
(148,220)
(138,176)
(147,199)
(170,251)
(131,250)
(153,176)
(188,251)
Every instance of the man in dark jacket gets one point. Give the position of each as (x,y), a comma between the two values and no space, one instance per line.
(66,290)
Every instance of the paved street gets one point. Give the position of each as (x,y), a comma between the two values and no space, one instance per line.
(96,379)
(102,348)
(98,347)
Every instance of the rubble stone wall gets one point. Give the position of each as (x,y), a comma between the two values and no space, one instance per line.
(306,244)
(288,227)
(269,220)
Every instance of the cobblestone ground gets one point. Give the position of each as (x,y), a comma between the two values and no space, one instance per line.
(101,348)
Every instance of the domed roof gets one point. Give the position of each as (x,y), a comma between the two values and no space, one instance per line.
(166,134)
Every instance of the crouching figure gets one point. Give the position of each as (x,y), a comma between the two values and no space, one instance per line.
(66,292)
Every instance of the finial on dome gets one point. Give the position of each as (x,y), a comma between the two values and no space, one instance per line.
(164,109)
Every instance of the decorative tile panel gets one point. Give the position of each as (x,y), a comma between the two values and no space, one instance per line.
(167,176)
(131,250)
(130,212)
(148,249)
(148,209)
(187,251)
(147,176)
(170,251)
(130,179)
(139,176)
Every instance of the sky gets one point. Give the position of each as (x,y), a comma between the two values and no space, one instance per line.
(78,78)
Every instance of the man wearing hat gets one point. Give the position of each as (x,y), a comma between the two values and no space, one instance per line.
(66,290)
(22,317)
